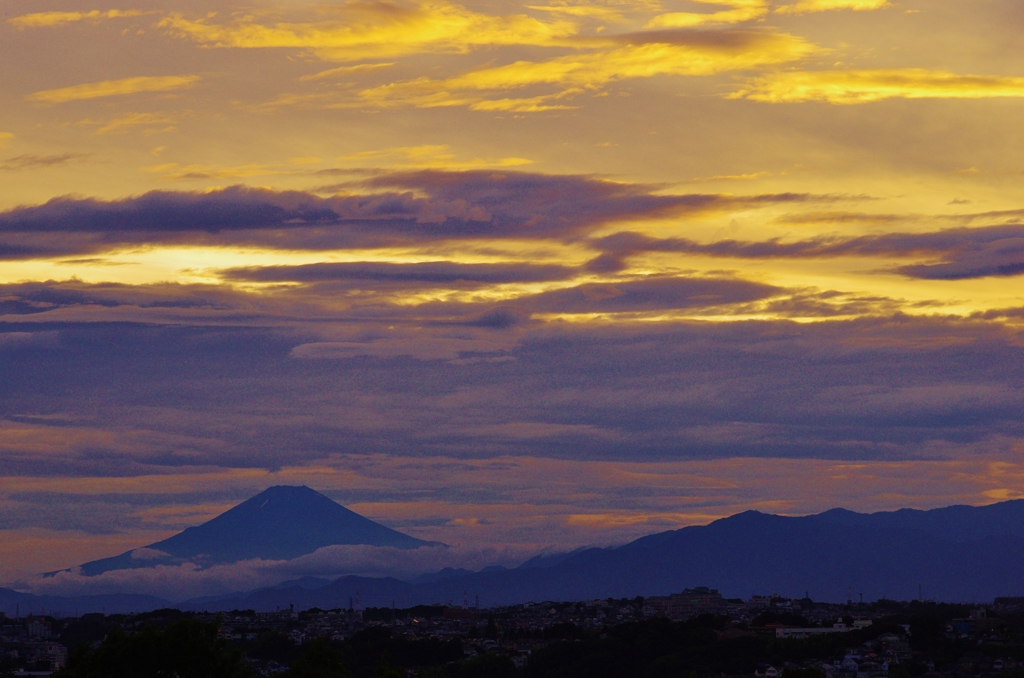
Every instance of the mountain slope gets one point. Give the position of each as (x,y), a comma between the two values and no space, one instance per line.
(959,553)
(958,523)
(741,555)
(17,603)
(280,523)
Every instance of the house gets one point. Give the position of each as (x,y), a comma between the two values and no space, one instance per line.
(690,603)
(806,632)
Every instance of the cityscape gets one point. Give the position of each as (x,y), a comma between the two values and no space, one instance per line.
(762,637)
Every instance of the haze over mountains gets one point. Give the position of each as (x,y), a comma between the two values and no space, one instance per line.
(956,553)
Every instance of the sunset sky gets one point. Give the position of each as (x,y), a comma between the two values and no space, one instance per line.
(505,275)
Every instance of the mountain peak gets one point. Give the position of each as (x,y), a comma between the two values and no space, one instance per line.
(749,516)
(280,523)
(285,493)
(274,490)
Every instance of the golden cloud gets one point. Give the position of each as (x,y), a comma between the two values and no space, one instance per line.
(154,121)
(343,71)
(524,105)
(367,30)
(5,138)
(674,54)
(176,172)
(808,6)
(404,157)
(738,12)
(864,86)
(108,88)
(587,11)
(51,19)
(425,157)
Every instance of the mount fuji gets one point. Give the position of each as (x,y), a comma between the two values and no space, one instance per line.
(280,523)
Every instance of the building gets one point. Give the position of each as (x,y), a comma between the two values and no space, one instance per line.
(38,627)
(690,603)
(797,632)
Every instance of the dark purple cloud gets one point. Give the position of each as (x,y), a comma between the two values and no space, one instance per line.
(367,290)
(165,397)
(30,298)
(439,272)
(233,208)
(391,209)
(36,298)
(122,380)
(960,252)
(996,258)
(26,162)
(650,294)
(562,206)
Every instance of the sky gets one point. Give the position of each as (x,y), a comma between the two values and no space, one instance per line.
(503,275)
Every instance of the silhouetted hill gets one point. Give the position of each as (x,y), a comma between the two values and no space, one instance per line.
(829,556)
(958,523)
(14,602)
(279,523)
(959,553)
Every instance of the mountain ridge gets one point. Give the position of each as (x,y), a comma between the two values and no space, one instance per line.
(14,602)
(955,553)
(750,552)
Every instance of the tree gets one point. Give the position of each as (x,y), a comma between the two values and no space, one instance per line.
(492,628)
(386,670)
(273,646)
(789,672)
(185,649)
(318,660)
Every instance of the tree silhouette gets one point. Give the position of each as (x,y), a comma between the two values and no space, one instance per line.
(318,660)
(185,649)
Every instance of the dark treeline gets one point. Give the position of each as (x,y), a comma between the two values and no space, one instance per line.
(701,648)
(174,644)
(184,648)
(189,648)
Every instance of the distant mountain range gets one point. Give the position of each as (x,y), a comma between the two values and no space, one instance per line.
(280,523)
(17,603)
(959,553)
